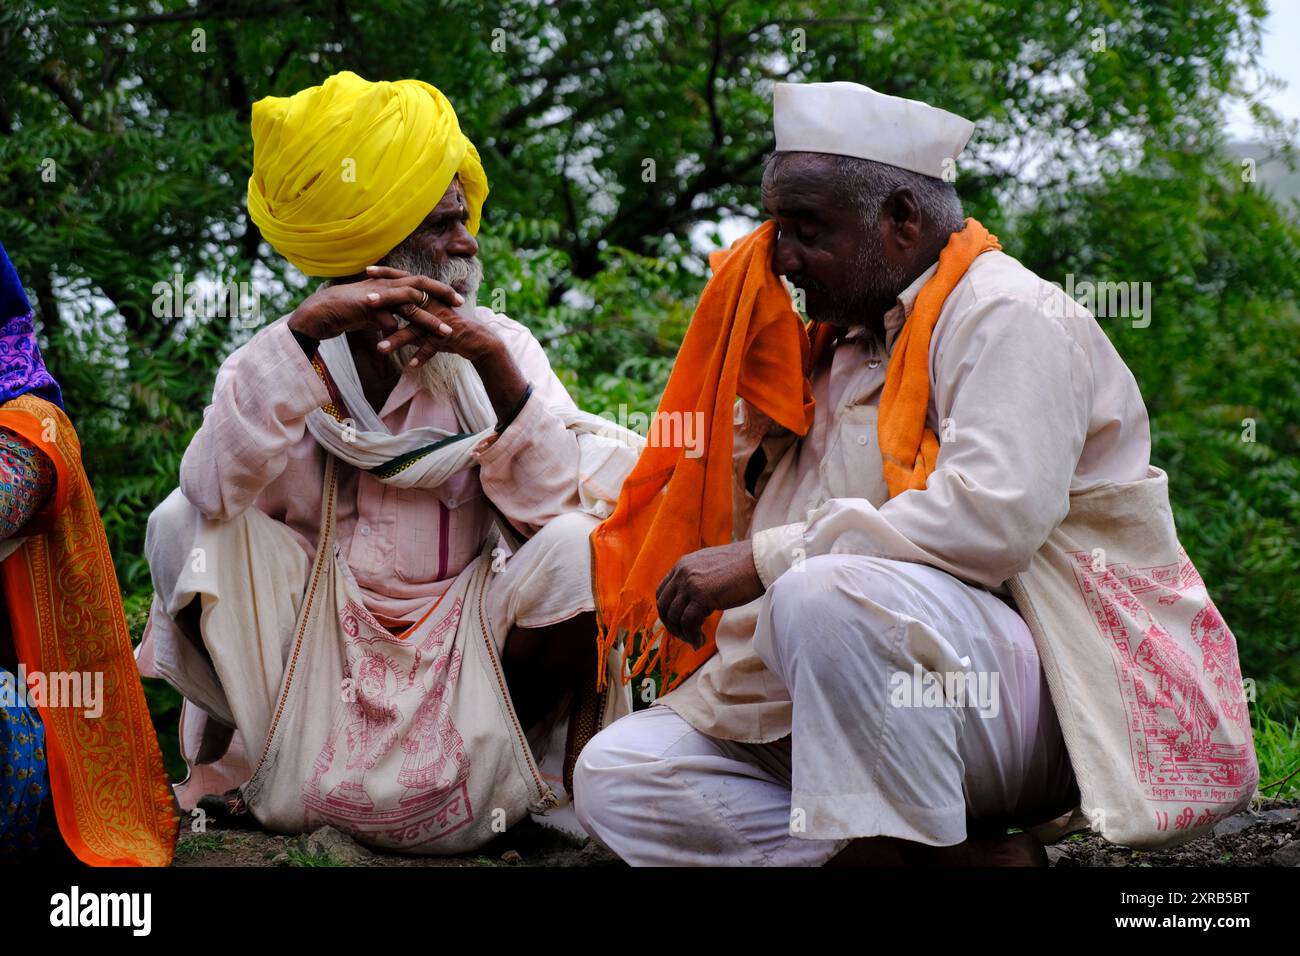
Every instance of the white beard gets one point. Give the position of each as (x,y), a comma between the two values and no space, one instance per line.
(439,374)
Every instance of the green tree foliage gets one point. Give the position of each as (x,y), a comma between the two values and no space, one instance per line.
(614,134)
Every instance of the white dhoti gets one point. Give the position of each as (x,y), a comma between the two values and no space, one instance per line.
(251,574)
(878,657)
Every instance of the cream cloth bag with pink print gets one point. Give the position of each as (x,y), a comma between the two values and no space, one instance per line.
(407,742)
(1142,669)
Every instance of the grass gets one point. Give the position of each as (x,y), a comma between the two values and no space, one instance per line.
(301,857)
(198,845)
(1278,747)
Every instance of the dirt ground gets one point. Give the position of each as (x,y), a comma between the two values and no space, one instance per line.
(1266,835)
(527,844)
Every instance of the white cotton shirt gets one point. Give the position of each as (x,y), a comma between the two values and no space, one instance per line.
(1030,402)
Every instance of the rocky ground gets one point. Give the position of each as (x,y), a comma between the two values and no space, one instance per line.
(1266,835)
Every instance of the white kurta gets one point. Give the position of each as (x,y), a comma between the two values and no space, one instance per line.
(1028,406)
(1030,402)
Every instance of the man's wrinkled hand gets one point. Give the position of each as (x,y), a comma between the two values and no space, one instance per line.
(434,326)
(708,580)
(371,303)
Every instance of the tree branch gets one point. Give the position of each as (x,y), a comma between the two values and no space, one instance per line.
(58,84)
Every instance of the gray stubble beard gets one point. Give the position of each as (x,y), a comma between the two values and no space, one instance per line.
(878,283)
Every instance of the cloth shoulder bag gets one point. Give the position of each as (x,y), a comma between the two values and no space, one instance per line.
(1142,669)
(407,742)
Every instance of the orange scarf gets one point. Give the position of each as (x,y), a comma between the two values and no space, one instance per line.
(742,341)
(111,796)
(908,448)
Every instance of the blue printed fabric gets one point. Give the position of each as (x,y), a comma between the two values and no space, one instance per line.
(24,780)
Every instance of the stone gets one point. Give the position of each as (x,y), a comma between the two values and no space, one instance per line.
(1289,855)
(1056,856)
(1238,823)
(511,856)
(337,845)
(1284,815)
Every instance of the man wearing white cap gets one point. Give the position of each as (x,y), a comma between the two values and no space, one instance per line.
(872,552)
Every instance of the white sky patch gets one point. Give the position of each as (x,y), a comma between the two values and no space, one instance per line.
(1278,58)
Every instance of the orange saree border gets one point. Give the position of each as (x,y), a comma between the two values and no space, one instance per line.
(111,797)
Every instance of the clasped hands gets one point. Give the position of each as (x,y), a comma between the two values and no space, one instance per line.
(708,580)
(429,306)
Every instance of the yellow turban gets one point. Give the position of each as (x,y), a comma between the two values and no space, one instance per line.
(344,171)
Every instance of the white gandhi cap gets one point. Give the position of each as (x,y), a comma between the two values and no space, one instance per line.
(849,119)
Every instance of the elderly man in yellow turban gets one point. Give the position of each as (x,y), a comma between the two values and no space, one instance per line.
(374,581)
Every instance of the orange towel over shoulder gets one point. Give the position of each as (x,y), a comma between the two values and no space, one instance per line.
(908,449)
(745,339)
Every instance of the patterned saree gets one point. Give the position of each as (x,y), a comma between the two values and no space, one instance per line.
(64,613)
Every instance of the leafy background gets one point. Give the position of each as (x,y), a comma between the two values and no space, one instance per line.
(1106,163)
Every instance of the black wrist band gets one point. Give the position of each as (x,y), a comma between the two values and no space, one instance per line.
(306,342)
(504,423)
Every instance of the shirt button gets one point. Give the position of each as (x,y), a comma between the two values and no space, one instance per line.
(862,439)
(451,502)
(365,529)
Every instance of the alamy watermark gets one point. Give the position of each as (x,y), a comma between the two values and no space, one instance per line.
(78,908)
(177,298)
(663,429)
(79,690)
(965,688)
(1104,300)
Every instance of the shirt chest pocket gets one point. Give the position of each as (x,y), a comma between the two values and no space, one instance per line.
(853,468)
(438,530)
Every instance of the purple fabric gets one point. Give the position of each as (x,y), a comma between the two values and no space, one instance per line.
(21,367)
